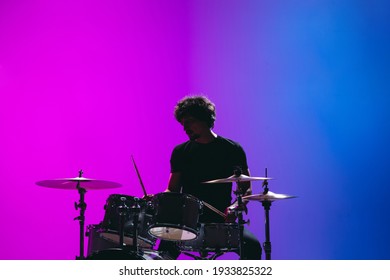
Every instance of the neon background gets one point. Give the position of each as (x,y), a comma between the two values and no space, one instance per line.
(302,85)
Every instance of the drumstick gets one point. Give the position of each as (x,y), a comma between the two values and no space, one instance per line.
(214,209)
(139,176)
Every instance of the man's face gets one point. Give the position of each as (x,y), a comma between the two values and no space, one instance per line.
(193,127)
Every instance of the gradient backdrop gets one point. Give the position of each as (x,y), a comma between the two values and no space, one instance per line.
(302,85)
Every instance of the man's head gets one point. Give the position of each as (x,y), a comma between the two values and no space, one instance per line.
(198,107)
(196,114)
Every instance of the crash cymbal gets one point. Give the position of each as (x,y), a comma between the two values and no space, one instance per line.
(71,184)
(270,196)
(234,178)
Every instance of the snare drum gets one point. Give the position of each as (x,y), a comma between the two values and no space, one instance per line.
(110,227)
(175,216)
(214,237)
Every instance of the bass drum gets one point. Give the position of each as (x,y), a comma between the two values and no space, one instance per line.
(101,248)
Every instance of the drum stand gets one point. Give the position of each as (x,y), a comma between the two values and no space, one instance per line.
(136,209)
(240,207)
(241,222)
(267,205)
(122,211)
(82,206)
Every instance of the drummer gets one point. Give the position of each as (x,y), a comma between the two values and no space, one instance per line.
(207,156)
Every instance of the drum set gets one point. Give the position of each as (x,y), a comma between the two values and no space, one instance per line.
(132,226)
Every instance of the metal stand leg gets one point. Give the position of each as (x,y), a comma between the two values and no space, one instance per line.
(267,243)
(82,206)
(267,206)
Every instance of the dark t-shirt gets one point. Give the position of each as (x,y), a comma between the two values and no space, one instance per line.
(198,163)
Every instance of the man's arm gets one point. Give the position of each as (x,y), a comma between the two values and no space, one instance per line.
(245,187)
(174,184)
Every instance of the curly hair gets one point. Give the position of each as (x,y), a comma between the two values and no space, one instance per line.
(199,107)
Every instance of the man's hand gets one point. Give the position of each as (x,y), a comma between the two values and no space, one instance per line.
(231,212)
(148,197)
(230,215)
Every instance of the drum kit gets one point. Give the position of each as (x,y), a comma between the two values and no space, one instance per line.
(131,225)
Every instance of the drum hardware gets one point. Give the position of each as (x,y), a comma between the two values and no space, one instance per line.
(267,205)
(122,210)
(82,206)
(136,209)
(132,210)
(239,210)
(80,184)
(237,178)
(266,199)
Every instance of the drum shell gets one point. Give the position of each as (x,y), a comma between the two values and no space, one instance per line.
(214,237)
(100,248)
(176,211)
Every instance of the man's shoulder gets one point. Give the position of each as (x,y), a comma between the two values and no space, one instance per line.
(182,146)
(228,142)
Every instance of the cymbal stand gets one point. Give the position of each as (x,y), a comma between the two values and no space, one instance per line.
(238,211)
(82,206)
(267,205)
(241,222)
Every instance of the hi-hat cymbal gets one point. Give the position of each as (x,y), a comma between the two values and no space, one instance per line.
(270,196)
(71,184)
(234,178)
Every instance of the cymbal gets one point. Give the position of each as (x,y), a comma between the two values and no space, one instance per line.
(71,184)
(270,196)
(233,178)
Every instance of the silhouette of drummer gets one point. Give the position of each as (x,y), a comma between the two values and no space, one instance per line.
(207,156)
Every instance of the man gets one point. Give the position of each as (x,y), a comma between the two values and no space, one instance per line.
(207,156)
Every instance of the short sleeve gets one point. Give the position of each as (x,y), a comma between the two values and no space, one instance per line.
(176,161)
(241,157)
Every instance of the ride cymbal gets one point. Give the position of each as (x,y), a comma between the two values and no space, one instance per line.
(270,196)
(71,184)
(237,179)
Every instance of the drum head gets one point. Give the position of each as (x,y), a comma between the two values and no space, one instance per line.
(172,233)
